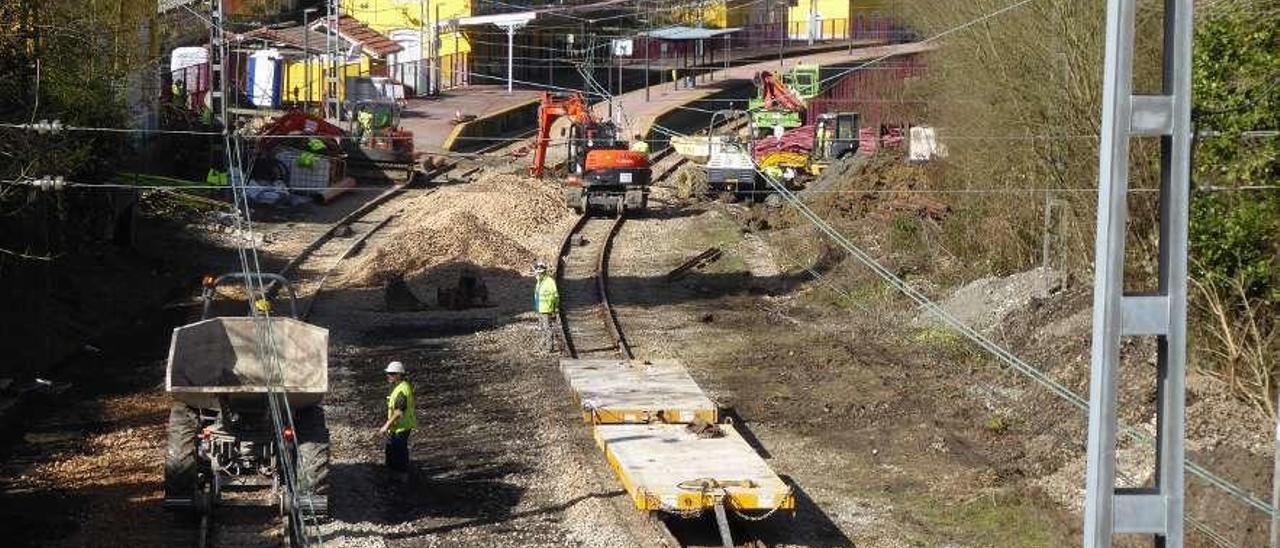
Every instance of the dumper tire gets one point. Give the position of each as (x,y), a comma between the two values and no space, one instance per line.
(313,451)
(180,473)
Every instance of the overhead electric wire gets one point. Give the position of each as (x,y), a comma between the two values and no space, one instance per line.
(982,341)
(991,347)
(281,414)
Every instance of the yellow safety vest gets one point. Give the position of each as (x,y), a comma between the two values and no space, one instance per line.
(547,295)
(408,420)
(216,177)
(640,146)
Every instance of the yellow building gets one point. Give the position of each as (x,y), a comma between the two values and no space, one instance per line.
(365,53)
(405,22)
(838,19)
(717,14)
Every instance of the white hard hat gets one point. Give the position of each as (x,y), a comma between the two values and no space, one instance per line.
(395,367)
(540,266)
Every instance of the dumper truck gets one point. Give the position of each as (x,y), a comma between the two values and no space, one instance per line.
(246,414)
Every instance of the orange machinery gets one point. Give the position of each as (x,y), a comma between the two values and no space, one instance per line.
(603,173)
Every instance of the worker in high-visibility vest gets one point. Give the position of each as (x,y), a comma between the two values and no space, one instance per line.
(401,420)
(365,120)
(217,177)
(638,144)
(546,302)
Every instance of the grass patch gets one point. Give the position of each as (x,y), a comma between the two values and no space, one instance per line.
(728,237)
(941,339)
(998,519)
(861,297)
(998,424)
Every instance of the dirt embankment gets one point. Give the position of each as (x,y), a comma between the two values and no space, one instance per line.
(1031,439)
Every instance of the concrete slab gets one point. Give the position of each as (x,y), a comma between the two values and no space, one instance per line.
(620,391)
(431,119)
(664,467)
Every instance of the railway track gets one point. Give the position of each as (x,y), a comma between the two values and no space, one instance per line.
(250,519)
(587,321)
(588,325)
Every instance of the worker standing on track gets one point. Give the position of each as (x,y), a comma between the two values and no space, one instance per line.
(401,420)
(546,302)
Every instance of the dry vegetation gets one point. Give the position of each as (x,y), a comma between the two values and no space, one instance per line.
(1017,101)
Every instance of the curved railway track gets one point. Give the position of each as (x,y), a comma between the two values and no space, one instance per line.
(588,324)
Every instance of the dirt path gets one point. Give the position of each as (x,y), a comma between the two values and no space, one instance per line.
(880,441)
(501,457)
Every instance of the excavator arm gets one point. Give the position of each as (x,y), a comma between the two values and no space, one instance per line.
(553,107)
(776,94)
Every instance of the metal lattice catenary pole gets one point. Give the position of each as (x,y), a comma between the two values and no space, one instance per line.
(1156,510)
(334,47)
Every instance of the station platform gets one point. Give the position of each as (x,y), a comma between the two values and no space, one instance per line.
(611,391)
(665,467)
(642,114)
(431,119)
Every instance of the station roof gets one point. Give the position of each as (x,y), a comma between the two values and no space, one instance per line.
(371,41)
(295,37)
(688,33)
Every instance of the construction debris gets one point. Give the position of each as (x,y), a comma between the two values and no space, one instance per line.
(471,292)
(704,430)
(399,297)
(697,262)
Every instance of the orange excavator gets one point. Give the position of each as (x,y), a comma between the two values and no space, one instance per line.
(604,174)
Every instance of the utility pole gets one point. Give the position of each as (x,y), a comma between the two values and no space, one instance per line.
(1156,510)
(648,41)
(435,53)
(813,19)
(217,69)
(306,55)
(332,108)
(423,78)
(782,9)
(702,13)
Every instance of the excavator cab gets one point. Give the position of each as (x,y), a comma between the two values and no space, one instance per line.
(584,138)
(604,174)
(836,136)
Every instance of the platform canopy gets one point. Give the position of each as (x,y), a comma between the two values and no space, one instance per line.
(688,33)
(501,19)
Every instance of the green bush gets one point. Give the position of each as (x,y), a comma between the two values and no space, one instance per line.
(1234,237)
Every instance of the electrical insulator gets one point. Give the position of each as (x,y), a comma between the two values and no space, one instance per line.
(49,184)
(45,126)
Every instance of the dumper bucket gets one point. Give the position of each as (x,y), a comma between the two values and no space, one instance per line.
(220,357)
(696,149)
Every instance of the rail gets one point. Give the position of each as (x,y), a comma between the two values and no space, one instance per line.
(607,314)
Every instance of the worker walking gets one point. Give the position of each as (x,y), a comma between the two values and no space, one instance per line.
(638,144)
(401,420)
(546,302)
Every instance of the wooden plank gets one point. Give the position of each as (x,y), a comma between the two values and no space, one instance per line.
(661,467)
(612,391)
